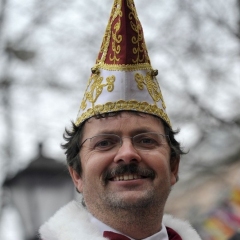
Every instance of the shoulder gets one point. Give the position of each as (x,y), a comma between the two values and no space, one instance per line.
(183,228)
(70,222)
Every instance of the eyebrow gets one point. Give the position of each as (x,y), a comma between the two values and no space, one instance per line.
(132,133)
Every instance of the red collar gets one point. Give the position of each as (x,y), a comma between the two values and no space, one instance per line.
(172,234)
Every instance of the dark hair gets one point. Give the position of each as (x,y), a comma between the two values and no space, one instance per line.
(73,138)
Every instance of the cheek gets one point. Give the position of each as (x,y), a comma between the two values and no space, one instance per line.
(94,164)
(159,162)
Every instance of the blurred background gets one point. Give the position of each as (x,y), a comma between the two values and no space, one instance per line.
(47,49)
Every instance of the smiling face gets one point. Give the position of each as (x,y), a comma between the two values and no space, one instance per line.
(123,177)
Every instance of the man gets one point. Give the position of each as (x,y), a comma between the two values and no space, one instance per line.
(121,152)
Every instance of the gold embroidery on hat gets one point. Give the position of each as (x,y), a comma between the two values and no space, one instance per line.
(112,42)
(117,39)
(125,67)
(121,105)
(96,89)
(116,12)
(151,85)
(139,39)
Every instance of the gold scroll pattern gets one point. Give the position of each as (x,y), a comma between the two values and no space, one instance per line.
(152,86)
(117,38)
(139,39)
(96,89)
(140,49)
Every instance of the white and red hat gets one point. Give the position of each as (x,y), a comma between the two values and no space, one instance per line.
(123,78)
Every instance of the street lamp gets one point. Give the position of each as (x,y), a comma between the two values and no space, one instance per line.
(39,190)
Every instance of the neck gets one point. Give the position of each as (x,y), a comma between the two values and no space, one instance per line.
(135,223)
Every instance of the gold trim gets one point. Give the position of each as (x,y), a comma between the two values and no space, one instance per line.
(125,67)
(122,105)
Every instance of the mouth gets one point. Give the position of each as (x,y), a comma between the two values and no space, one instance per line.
(128,172)
(126,177)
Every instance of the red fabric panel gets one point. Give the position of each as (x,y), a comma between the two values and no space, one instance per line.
(114,236)
(172,234)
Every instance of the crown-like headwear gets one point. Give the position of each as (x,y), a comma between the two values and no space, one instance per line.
(122,78)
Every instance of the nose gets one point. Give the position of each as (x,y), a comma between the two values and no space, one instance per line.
(126,152)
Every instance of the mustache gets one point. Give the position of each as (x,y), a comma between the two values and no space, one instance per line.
(131,168)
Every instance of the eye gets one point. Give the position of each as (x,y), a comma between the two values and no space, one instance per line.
(147,141)
(104,142)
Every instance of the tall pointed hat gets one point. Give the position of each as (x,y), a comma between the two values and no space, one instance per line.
(123,78)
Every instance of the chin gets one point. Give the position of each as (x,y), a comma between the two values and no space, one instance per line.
(131,200)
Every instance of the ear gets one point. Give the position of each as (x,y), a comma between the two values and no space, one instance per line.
(174,165)
(77,179)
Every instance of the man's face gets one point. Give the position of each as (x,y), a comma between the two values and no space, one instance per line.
(104,186)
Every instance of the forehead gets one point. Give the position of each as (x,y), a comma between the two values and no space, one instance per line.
(123,123)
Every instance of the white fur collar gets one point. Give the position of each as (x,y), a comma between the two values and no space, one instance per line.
(183,228)
(72,223)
